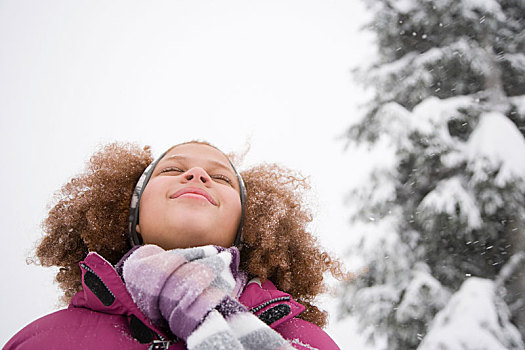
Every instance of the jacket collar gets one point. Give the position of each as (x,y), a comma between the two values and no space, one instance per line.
(268,303)
(104,291)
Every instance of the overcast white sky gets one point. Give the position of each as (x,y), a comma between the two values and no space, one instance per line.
(75,74)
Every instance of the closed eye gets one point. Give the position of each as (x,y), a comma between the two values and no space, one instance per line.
(171,169)
(222,178)
(177,170)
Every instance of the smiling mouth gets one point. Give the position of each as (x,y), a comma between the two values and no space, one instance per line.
(193,192)
(193,195)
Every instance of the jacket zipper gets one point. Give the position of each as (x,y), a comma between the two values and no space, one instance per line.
(87,268)
(161,344)
(262,306)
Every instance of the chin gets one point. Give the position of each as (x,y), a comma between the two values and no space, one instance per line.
(204,236)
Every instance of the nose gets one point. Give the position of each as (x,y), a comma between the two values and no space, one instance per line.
(196,174)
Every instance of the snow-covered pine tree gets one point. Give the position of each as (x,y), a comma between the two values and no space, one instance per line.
(446,203)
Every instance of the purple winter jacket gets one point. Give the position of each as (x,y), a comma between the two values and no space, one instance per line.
(104,316)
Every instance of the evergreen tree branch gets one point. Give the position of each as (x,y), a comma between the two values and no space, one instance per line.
(510,268)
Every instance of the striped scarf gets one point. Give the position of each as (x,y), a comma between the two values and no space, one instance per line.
(194,292)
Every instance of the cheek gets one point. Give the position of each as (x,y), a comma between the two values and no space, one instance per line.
(150,198)
(232,204)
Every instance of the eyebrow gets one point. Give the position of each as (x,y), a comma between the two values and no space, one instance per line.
(216,163)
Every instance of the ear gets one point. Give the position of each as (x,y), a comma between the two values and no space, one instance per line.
(137,228)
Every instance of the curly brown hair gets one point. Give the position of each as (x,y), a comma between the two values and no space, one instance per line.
(92,209)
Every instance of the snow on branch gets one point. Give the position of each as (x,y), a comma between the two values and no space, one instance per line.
(474,318)
(519,102)
(429,117)
(471,7)
(510,267)
(496,143)
(422,294)
(449,196)
(516,60)
(415,68)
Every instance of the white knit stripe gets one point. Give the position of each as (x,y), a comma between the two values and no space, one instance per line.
(226,256)
(220,264)
(227,276)
(197,253)
(255,334)
(264,339)
(209,250)
(242,331)
(244,323)
(219,341)
(224,284)
(212,324)
(225,273)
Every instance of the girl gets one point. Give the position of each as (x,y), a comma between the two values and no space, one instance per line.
(204,258)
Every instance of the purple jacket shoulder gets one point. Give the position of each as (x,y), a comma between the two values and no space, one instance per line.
(104,316)
(266,301)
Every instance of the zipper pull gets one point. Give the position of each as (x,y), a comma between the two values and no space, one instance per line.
(160,345)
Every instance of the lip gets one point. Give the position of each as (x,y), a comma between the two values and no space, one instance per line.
(194,190)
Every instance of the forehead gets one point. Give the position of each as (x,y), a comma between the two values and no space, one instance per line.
(199,153)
